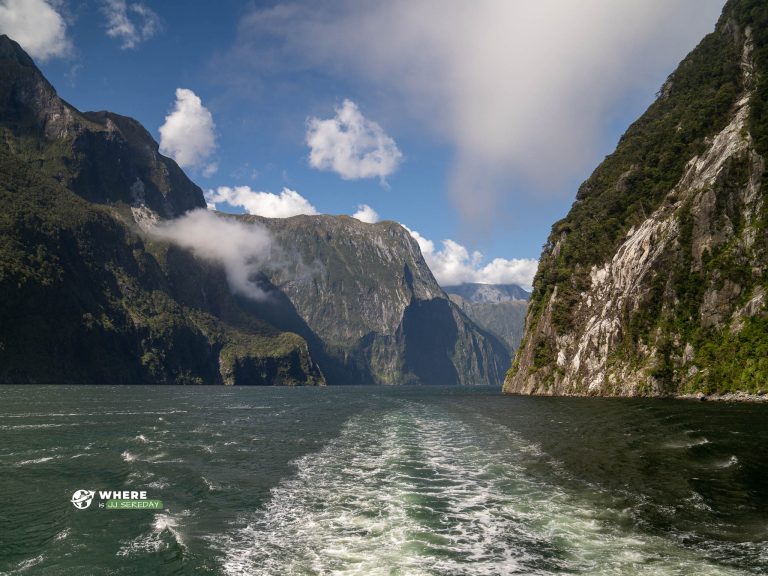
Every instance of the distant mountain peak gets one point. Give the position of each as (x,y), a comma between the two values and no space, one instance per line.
(491,293)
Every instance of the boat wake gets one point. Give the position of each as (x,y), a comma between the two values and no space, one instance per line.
(417,491)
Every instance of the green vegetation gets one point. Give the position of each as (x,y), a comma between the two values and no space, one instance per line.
(734,361)
(631,183)
(83,299)
(686,305)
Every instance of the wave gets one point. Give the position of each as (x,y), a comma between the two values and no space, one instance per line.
(687,443)
(164,534)
(37,460)
(33,426)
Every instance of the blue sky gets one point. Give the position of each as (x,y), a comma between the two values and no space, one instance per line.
(468,121)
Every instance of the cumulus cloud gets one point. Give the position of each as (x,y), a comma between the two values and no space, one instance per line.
(188,134)
(351,145)
(453,264)
(516,88)
(242,249)
(130,22)
(287,203)
(366,214)
(37,26)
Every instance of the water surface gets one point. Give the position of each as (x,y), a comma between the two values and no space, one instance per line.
(380,481)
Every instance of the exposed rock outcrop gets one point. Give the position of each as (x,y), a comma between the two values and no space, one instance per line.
(649,288)
(367,293)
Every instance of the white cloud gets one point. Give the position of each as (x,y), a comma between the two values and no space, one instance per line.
(517,88)
(37,26)
(366,214)
(351,145)
(242,249)
(188,134)
(287,203)
(130,22)
(453,264)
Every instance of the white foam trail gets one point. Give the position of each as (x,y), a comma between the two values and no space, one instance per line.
(688,443)
(33,426)
(165,531)
(418,492)
(38,460)
(63,534)
(29,563)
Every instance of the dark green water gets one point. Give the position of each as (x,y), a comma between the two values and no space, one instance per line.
(380,481)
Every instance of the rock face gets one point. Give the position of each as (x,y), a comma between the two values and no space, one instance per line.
(366,292)
(88,295)
(655,282)
(498,308)
(101,156)
(85,296)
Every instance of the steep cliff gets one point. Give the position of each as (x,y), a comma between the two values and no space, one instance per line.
(91,291)
(655,282)
(367,293)
(85,295)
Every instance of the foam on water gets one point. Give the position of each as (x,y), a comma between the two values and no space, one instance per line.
(164,533)
(37,460)
(419,492)
(128,456)
(29,563)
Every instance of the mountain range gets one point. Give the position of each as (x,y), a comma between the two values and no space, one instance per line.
(498,308)
(100,283)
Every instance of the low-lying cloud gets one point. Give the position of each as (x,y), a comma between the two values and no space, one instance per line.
(366,214)
(453,264)
(287,203)
(351,145)
(242,249)
(188,133)
(37,26)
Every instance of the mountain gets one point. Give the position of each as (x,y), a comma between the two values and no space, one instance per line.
(85,296)
(655,281)
(490,293)
(498,308)
(367,293)
(90,293)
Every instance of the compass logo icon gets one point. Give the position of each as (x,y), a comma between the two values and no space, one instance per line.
(82,499)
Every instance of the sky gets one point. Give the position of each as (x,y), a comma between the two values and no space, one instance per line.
(470,122)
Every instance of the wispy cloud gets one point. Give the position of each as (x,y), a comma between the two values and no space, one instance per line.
(287,203)
(519,91)
(188,134)
(351,145)
(37,26)
(453,264)
(130,22)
